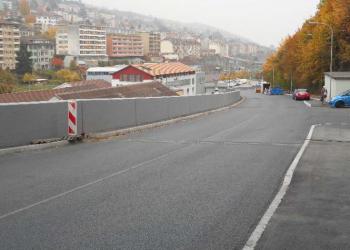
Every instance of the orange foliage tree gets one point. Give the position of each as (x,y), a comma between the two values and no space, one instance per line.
(305,56)
(57,62)
(24,7)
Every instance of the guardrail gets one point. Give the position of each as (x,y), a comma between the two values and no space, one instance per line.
(22,123)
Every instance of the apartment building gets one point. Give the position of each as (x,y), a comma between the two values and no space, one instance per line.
(26,31)
(187,48)
(42,51)
(219,46)
(124,45)
(62,40)
(47,21)
(243,49)
(9,44)
(85,42)
(151,43)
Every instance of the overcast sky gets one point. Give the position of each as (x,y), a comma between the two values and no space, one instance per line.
(266,22)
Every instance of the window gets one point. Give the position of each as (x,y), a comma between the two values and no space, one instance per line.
(131,78)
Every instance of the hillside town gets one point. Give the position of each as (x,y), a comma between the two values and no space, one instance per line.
(48,43)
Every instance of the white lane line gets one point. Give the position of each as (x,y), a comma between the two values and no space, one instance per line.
(307,104)
(86,185)
(260,228)
(105,178)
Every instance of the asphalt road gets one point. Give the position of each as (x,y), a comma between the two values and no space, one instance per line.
(198,184)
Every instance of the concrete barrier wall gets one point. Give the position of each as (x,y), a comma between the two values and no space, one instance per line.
(22,123)
(108,115)
(150,110)
(104,115)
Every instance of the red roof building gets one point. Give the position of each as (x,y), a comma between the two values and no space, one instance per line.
(177,76)
(152,89)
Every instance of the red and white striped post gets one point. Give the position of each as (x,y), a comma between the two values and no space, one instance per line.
(72,118)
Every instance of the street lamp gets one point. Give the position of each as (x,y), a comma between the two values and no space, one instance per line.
(273,76)
(332,40)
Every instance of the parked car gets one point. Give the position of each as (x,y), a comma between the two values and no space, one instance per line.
(340,101)
(301,94)
(276,91)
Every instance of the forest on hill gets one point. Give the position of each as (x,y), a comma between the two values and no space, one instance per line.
(303,58)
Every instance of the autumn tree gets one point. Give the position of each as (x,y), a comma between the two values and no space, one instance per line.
(57,63)
(6,77)
(7,81)
(305,56)
(29,78)
(30,19)
(67,75)
(50,33)
(24,7)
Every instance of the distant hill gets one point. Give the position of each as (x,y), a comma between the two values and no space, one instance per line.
(165,25)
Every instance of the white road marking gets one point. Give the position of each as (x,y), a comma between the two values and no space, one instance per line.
(104,178)
(260,228)
(87,185)
(307,104)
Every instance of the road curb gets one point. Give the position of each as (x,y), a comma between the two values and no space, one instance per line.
(26,148)
(119,132)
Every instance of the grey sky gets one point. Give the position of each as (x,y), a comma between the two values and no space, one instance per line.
(263,21)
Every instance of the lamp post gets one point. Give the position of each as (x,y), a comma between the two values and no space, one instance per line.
(332,40)
(332,43)
(273,76)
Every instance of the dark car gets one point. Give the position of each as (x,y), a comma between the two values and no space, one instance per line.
(301,94)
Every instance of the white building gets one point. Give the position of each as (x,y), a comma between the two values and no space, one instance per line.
(42,51)
(103,73)
(85,42)
(336,82)
(47,21)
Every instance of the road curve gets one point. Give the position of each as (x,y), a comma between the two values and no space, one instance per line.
(198,184)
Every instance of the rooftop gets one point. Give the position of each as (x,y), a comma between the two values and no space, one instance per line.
(47,95)
(97,83)
(338,75)
(107,69)
(153,89)
(159,69)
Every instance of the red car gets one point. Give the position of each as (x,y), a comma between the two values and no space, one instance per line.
(301,94)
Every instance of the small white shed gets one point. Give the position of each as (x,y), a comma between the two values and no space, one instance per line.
(336,82)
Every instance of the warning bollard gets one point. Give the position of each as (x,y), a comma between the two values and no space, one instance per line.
(72,119)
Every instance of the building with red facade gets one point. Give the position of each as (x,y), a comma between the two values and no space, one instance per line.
(177,76)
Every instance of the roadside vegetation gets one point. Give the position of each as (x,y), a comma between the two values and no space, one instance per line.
(305,56)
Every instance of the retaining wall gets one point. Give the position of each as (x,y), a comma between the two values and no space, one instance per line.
(22,123)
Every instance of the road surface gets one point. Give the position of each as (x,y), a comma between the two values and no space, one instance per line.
(197,184)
